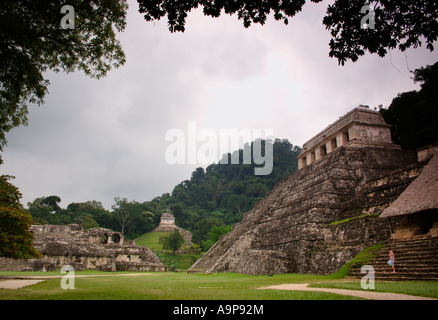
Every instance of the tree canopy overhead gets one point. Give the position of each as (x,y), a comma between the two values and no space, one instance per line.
(397,24)
(400,24)
(250,11)
(37,35)
(413,115)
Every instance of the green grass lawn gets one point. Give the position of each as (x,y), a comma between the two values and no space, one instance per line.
(183,286)
(151,240)
(169,286)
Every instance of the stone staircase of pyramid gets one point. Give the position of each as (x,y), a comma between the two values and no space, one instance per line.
(414,260)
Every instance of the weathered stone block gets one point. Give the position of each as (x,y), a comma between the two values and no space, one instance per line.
(96,248)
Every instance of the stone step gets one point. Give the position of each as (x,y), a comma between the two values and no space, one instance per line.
(414,257)
(416,275)
(414,260)
(426,269)
(413,248)
(389,275)
(408,260)
(396,277)
(406,265)
(418,255)
(411,253)
(398,270)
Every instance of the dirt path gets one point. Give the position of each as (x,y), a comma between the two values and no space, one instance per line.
(17,282)
(356,293)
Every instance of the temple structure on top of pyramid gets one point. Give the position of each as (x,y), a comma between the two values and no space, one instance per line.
(361,127)
(167,224)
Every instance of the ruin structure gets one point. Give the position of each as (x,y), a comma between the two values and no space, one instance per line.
(361,127)
(416,209)
(320,217)
(96,248)
(167,224)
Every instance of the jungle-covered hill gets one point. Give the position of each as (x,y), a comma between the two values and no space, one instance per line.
(217,196)
(220,194)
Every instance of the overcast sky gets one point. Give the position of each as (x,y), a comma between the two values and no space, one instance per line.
(98,139)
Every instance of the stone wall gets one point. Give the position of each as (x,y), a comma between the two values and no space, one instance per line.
(9,264)
(96,248)
(361,127)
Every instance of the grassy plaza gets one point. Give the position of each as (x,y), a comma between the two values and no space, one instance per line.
(184,286)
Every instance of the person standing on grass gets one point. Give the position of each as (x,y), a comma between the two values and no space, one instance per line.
(391,260)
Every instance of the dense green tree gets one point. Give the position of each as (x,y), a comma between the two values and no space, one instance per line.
(197,175)
(413,115)
(52,202)
(200,232)
(35,36)
(121,212)
(213,235)
(47,210)
(9,194)
(172,241)
(80,210)
(132,217)
(356,26)
(193,249)
(15,237)
(140,220)
(88,222)
(226,192)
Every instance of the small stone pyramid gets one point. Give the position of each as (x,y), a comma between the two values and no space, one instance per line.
(167,224)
